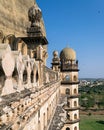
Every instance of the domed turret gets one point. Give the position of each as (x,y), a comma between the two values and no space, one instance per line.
(55,61)
(55,53)
(68,54)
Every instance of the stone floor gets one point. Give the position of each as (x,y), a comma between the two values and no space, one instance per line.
(59,116)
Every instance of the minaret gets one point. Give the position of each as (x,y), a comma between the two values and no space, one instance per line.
(55,61)
(69,87)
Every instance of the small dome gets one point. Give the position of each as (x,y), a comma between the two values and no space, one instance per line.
(68,54)
(55,53)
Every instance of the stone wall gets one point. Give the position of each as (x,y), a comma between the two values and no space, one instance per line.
(14,16)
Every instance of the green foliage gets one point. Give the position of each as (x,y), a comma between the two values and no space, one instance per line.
(92,96)
(92,122)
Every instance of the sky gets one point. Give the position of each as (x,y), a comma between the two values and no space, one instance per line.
(78,24)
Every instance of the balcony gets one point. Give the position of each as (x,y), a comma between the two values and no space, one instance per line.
(68,121)
(73,96)
(71,67)
(70,82)
(67,108)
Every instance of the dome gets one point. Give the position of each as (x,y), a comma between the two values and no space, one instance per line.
(68,54)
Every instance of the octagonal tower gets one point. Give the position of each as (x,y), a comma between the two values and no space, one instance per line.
(69,88)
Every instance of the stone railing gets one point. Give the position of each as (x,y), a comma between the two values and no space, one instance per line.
(70,67)
(49,75)
(17,72)
(20,91)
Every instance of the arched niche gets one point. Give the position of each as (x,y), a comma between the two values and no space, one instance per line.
(75,103)
(75,116)
(75,78)
(67,128)
(75,128)
(75,91)
(67,91)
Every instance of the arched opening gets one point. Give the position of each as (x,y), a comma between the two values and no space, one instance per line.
(75,128)
(15,74)
(75,116)
(75,91)
(15,78)
(67,128)
(37,76)
(67,78)
(25,76)
(67,91)
(75,103)
(32,77)
(75,78)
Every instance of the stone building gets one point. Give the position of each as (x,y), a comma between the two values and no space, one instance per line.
(33,96)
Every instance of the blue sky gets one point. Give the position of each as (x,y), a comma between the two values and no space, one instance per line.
(78,24)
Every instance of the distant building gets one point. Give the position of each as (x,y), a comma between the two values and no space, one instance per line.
(29,90)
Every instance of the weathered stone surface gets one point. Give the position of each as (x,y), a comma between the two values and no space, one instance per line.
(14,16)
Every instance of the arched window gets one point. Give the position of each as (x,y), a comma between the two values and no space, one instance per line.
(75,116)
(67,91)
(75,128)
(75,103)
(67,78)
(67,128)
(75,91)
(75,78)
